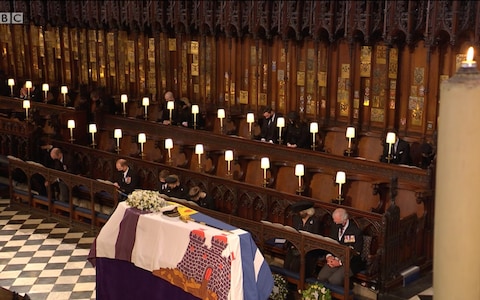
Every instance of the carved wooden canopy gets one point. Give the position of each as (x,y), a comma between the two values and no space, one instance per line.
(395,22)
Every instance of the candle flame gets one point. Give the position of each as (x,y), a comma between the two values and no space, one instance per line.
(470,54)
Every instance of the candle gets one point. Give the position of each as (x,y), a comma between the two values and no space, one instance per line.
(456,196)
(469,62)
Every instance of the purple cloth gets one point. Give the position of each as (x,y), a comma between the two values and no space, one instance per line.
(118,279)
(126,236)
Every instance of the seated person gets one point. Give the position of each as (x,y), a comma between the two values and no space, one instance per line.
(185,114)
(126,180)
(347,233)
(60,162)
(296,132)
(269,130)
(176,112)
(400,152)
(303,219)
(175,188)
(162,176)
(201,198)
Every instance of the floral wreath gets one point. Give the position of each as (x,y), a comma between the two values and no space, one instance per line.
(146,200)
(316,291)
(280,290)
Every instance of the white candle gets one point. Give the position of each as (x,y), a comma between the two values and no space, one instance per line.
(456,196)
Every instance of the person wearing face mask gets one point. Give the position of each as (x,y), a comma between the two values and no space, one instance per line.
(303,219)
(346,232)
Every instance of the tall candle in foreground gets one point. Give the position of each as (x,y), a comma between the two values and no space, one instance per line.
(456,245)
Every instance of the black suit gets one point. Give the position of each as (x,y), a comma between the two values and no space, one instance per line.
(400,153)
(59,188)
(128,182)
(269,130)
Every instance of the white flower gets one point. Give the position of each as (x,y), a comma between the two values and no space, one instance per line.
(146,200)
(316,291)
(279,291)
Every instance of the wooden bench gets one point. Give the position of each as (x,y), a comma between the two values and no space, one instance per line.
(101,197)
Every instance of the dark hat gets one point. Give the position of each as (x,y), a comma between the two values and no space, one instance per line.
(302,205)
(171,179)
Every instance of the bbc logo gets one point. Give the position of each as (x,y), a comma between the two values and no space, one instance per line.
(11,18)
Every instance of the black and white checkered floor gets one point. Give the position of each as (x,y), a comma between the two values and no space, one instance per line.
(42,258)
